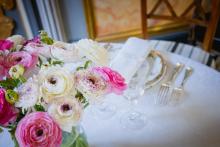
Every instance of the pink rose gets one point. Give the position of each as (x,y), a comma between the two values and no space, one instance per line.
(22,57)
(8,113)
(36,48)
(38,129)
(116,81)
(5,44)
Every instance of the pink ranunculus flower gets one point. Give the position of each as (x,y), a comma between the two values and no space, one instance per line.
(3,72)
(8,113)
(34,40)
(21,57)
(5,44)
(116,81)
(36,48)
(38,129)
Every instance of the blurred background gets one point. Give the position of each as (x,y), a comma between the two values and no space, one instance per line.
(113,20)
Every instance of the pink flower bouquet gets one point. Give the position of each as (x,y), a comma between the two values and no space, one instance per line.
(42,101)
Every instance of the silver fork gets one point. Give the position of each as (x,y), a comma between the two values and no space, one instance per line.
(177,91)
(165,87)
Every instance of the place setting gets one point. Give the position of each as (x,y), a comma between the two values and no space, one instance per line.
(150,73)
(82,92)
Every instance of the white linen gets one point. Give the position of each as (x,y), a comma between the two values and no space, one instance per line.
(130,57)
(194,123)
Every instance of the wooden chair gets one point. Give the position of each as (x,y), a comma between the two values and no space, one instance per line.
(210,24)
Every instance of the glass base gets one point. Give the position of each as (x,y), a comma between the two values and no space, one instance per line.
(133,120)
(104,110)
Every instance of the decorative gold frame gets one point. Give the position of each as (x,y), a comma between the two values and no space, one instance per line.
(152,31)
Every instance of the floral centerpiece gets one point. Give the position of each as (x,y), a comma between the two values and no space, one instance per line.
(45,85)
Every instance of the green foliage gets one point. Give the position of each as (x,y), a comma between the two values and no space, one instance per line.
(39,107)
(40,62)
(82,99)
(1,130)
(54,62)
(80,141)
(57,62)
(86,65)
(49,62)
(74,139)
(45,38)
(22,79)
(79,68)
(10,83)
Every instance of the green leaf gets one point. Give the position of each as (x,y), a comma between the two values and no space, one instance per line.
(86,104)
(74,139)
(87,64)
(49,60)
(1,130)
(10,83)
(14,139)
(82,99)
(57,62)
(40,62)
(81,141)
(79,68)
(22,79)
(45,38)
(69,138)
(39,107)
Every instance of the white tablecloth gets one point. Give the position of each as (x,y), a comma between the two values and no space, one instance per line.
(194,123)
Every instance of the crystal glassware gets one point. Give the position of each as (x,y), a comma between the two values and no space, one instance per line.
(134,119)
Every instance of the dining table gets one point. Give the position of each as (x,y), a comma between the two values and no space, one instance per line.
(194,122)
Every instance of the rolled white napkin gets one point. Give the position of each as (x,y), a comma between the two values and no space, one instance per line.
(131,57)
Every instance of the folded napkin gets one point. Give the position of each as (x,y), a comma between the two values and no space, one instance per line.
(131,57)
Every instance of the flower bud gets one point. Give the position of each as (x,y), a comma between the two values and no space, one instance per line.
(16,71)
(11,96)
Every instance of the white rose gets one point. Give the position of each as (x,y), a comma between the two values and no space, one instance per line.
(18,41)
(55,82)
(67,112)
(28,93)
(65,52)
(93,51)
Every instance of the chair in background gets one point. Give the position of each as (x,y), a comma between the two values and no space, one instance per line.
(198,18)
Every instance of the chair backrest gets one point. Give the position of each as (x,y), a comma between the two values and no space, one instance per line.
(210,24)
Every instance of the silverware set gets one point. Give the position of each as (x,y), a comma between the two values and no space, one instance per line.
(169,93)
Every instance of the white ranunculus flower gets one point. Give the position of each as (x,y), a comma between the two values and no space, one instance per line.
(91,85)
(65,52)
(28,93)
(55,82)
(67,112)
(18,41)
(93,51)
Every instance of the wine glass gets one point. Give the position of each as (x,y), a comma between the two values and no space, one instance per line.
(103,109)
(133,118)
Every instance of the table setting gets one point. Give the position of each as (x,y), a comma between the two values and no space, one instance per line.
(91,94)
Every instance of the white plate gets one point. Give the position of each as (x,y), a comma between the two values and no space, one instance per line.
(157,68)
